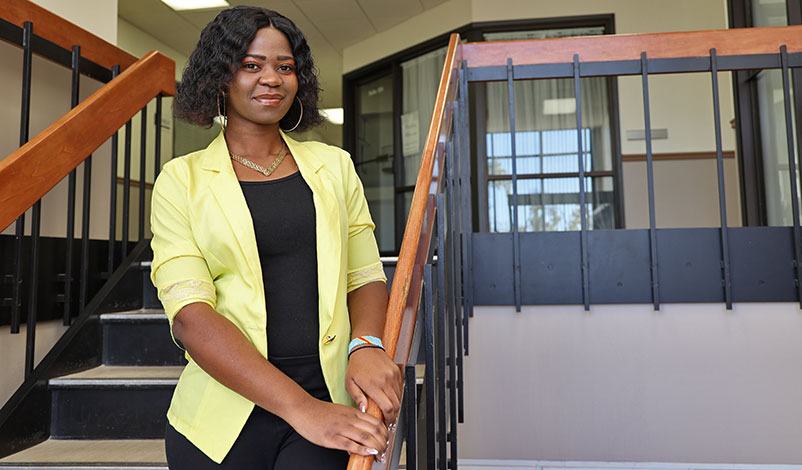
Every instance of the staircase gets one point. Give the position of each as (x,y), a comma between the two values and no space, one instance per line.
(112,416)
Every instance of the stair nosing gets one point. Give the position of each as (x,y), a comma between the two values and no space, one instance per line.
(106,383)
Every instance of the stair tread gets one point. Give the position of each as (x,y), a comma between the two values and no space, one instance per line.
(138,451)
(106,372)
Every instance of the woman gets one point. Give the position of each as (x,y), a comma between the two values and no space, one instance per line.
(261,240)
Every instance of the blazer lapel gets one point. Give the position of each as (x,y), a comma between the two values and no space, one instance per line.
(226,190)
(328,230)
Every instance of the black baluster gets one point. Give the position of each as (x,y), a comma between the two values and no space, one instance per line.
(36,213)
(87,200)
(75,98)
(451,309)
(115,71)
(430,383)
(126,187)
(157,154)
(441,344)
(19,235)
(650,182)
(142,164)
(467,226)
(516,240)
(722,202)
(583,231)
(411,403)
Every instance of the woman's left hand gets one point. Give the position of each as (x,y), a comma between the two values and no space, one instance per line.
(372,374)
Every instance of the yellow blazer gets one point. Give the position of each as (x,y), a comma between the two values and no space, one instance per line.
(204,250)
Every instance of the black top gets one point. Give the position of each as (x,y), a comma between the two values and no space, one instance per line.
(283,214)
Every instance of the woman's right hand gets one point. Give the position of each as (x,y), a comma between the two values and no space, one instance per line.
(340,427)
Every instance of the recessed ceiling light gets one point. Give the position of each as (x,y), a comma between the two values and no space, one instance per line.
(333,115)
(180,5)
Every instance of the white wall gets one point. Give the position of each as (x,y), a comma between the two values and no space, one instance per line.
(690,383)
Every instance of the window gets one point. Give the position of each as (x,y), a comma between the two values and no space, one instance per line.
(546,137)
(762,138)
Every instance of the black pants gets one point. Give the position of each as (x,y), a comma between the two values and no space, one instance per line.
(266,442)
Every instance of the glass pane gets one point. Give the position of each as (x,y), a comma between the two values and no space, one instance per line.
(551,204)
(546,141)
(774,146)
(420,78)
(771,111)
(374,155)
(538,152)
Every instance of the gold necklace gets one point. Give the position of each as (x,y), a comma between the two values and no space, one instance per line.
(255,166)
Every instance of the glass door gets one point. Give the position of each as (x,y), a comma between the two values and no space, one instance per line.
(373,155)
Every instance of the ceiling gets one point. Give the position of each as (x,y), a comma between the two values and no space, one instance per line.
(329,26)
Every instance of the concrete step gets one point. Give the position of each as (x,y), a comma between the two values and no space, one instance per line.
(139,454)
(112,402)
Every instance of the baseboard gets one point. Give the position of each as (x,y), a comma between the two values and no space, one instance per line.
(486,464)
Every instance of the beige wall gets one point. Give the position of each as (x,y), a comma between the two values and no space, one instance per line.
(50,99)
(690,383)
(95,16)
(12,350)
(685,194)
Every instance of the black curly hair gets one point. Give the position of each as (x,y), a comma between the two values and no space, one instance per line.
(222,46)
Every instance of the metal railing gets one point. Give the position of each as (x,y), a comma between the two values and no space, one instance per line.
(431,277)
(445,289)
(60,149)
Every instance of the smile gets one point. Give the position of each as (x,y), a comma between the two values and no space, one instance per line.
(269,100)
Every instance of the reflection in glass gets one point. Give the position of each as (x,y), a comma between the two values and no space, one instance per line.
(551,204)
(546,144)
(420,78)
(374,155)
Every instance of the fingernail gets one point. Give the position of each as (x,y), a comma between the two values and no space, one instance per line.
(373,452)
(381,458)
(391,427)
(362,407)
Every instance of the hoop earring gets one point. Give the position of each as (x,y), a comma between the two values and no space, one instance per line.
(223,117)
(299,117)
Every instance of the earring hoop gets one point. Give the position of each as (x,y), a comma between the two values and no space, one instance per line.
(299,117)
(223,117)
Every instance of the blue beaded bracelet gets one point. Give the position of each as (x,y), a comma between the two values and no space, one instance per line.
(363,340)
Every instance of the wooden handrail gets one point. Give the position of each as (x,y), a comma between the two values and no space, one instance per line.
(60,31)
(29,173)
(405,292)
(629,46)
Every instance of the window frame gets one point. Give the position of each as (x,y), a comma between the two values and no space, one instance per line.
(747,118)
(473,32)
